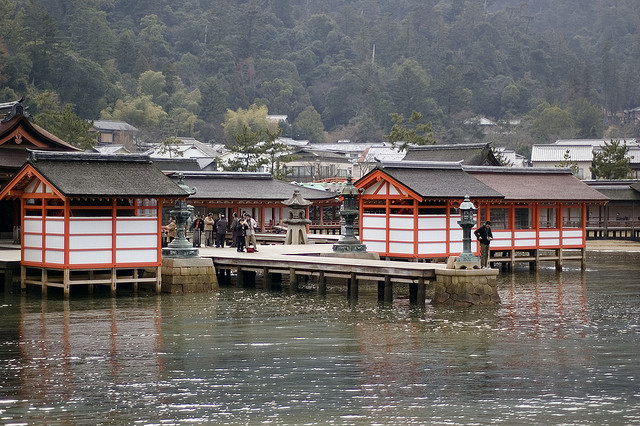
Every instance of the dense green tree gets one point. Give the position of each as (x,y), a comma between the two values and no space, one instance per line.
(61,122)
(308,125)
(254,119)
(551,123)
(611,162)
(588,119)
(410,132)
(249,152)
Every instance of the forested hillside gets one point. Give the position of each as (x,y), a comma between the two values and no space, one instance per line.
(174,67)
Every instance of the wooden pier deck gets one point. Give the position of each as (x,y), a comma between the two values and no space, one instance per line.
(312,260)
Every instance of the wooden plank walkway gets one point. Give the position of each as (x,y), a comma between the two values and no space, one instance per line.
(308,260)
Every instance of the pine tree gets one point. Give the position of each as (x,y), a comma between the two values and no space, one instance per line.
(611,162)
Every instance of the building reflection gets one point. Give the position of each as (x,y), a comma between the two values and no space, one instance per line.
(65,351)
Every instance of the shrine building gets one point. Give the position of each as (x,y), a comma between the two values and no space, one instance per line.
(409,209)
(89,216)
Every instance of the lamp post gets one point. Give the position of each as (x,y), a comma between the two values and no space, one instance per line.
(349,211)
(466,222)
(180,246)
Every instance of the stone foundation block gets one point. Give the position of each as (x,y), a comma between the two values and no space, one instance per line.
(188,275)
(465,287)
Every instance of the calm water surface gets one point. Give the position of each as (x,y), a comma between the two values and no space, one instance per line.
(563,348)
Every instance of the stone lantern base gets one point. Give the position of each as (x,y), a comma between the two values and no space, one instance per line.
(465,287)
(188,275)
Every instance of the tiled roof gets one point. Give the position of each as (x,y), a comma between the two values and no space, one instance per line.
(246,186)
(471,154)
(116,126)
(438,180)
(95,175)
(535,184)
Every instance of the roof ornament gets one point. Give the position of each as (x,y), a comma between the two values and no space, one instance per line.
(11,109)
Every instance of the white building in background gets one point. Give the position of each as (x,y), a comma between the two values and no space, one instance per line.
(581,151)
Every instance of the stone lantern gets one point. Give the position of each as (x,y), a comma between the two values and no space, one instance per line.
(180,246)
(348,243)
(297,221)
(466,259)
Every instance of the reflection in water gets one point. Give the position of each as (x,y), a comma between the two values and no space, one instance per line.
(562,348)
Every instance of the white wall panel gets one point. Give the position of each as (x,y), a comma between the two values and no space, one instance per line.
(54,241)
(525,234)
(33,225)
(374,221)
(136,256)
(525,242)
(432,222)
(373,234)
(95,226)
(376,246)
(54,256)
(401,221)
(136,241)
(549,242)
(455,248)
(32,255)
(54,226)
(432,236)
(90,257)
(33,240)
(136,226)
(401,248)
(400,235)
(572,233)
(550,234)
(432,248)
(572,241)
(77,242)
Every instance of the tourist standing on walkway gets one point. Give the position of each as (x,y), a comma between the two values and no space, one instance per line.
(197,226)
(250,239)
(484,236)
(234,230)
(172,229)
(241,234)
(221,231)
(208,230)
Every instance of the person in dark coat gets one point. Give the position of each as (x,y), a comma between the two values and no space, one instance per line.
(198,227)
(484,236)
(222,227)
(242,230)
(234,230)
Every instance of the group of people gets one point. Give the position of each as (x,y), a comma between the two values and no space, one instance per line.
(243,231)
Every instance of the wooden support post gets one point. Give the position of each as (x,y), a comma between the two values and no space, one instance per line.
(353,286)
(422,292)
(267,279)
(413,294)
(65,283)
(293,281)
(239,277)
(322,284)
(583,261)
(43,281)
(23,279)
(135,280)
(537,261)
(559,259)
(90,286)
(159,280)
(388,289)
(114,283)
(532,264)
